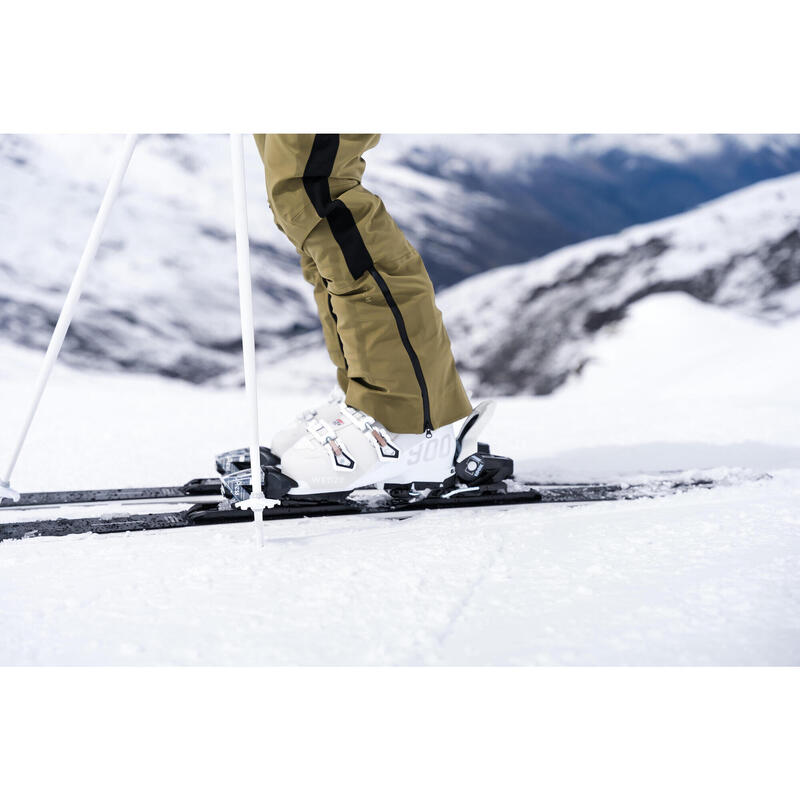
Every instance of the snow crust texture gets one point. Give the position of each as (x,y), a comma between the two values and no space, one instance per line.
(694,579)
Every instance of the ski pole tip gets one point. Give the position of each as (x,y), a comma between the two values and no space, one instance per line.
(7,492)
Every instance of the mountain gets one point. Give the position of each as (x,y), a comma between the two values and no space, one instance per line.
(162,296)
(528,328)
(472,202)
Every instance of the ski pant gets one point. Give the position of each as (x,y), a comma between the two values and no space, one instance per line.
(382,328)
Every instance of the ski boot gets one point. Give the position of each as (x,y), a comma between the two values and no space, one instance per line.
(352,451)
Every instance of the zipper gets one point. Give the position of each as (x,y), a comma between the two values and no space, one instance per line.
(335,322)
(401,328)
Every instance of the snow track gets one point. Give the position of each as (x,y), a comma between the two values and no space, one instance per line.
(707,577)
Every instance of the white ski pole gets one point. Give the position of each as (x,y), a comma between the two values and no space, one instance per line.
(257,502)
(68,309)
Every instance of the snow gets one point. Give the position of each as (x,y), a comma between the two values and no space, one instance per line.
(709,576)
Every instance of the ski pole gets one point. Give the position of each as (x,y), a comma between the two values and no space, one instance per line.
(257,502)
(70,303)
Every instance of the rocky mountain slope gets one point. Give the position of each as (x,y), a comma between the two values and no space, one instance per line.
(527,328)
(472,203)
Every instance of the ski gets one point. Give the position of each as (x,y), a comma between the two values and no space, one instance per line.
(197,490)
(364,503)
(193,491)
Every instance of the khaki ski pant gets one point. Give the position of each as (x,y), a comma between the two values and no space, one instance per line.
(382,328)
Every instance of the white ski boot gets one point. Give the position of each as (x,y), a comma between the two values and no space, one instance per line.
(353,451)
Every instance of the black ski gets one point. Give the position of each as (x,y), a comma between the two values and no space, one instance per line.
(200,515)
(190,491)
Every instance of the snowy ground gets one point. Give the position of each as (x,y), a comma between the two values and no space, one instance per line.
(707,577)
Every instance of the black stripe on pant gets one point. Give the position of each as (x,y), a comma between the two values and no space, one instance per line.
(343,226)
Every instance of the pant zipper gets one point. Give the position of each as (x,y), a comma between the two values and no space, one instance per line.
(401,328)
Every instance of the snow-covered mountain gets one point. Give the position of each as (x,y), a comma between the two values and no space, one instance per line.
(162,297)
(480,202)
(529,327)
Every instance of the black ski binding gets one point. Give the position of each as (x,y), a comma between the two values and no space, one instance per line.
(237,486)
(484,468)
(239,459)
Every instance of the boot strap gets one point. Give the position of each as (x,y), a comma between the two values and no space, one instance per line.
(326,436)
(378,437)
